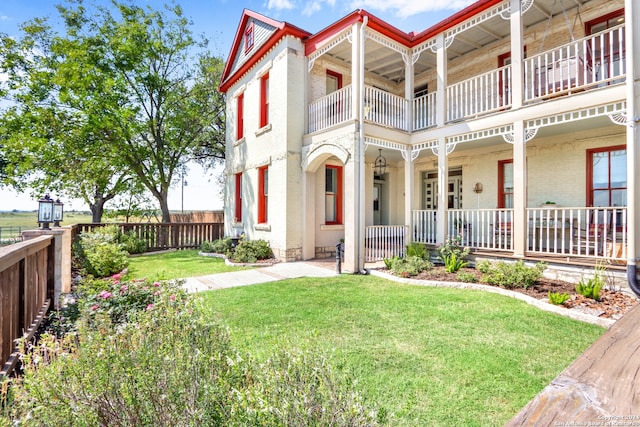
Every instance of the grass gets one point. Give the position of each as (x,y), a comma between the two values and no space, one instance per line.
(426,356)
(176,265)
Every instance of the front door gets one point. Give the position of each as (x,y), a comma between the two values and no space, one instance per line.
(430,190)
(377,195)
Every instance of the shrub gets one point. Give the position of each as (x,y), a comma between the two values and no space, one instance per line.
(452,254)
(131,243)
(207,246)
(466,277)
(388,262)
(173,366)
(105,259)
(251,251)
(556,298)
(483,266)
(410,266)
(418,250)
(591,287)
(513,275)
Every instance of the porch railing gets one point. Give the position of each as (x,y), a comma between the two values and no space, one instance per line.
(480,94)
(594,60)
(424,226)
(385,108)
(331,110)
(424,111)
(385,241)
(482,228)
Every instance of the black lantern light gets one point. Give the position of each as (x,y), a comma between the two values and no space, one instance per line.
(45,211)
(380,165)
(58,212)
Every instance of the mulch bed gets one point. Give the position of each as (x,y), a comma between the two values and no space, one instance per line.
(612,305)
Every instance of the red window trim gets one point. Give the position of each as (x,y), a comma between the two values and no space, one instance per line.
(238,200)
(338,195)
(338,76)
(501,192)
(264,100)
(240,112)
(249,36)
(590,153)
(262,195)
(590,24)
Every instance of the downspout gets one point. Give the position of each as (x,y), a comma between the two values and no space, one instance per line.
(632,155)
(361,178)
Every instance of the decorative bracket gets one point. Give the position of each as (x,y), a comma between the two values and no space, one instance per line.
(525,5)
(529,134)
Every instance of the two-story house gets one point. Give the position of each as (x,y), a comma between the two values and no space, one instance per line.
(510,125)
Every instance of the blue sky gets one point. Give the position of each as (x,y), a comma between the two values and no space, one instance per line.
(217,20)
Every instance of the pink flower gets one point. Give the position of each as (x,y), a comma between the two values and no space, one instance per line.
(117,276)
(156,284)
(95,307)
(156,293)
(105,294)
(172,298)
(150,306)
(116,282)
(123,289)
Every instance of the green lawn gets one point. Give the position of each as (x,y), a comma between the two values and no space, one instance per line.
(426,356)
(176,265)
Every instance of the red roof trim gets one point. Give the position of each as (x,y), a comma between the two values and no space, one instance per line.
(282,29)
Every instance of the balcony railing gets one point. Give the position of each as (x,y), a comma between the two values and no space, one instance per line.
(424,111)
(385,108)
(331,110)
(481,94)
(592,61)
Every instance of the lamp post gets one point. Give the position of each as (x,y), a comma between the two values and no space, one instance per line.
(45,211)
(58,212)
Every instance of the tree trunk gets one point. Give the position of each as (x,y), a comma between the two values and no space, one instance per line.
(97,208)
(164,206)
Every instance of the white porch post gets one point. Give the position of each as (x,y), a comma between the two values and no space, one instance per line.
(408,163)
(443,166)
(308,215)
(519,226)
(632,36)
(517,55)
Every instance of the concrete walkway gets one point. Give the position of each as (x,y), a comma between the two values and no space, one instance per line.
(280,271)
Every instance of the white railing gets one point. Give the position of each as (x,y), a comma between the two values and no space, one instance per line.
(585,232)
(424,111)
(480,94)
(424,226)
(385,241)
(482,228)
(385,108)
(594,60)
(331,110)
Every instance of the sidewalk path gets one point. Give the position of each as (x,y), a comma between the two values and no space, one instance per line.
(279,271)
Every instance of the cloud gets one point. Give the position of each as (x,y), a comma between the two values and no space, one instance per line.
(311,7)
(4,18)
(280,4)
(407,8)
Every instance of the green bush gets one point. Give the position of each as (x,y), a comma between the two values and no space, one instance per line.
(410,266)
(483,266)
(556,298)
(452,254)
(105,259)
(513,275)
(388,262)
(172,366)
(418,250)
(132,244)
(466,277)
(251,250)
(590,288)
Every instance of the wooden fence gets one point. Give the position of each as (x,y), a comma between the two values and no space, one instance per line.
(161,236)
(26,291)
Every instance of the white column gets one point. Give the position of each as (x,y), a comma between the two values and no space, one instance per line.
(408,88)
(632,36)
(517,55)
(309,215)
(441,114)
(408,194)
(519,226)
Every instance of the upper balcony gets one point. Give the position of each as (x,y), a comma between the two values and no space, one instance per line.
(583,64)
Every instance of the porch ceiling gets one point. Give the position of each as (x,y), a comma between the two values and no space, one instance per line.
(388,64)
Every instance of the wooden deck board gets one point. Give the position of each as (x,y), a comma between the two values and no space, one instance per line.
(601,386)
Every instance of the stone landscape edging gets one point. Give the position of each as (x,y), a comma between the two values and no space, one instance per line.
(573,314)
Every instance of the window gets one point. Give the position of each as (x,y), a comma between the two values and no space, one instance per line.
(608,49)
(248,38)
(505,184)
(263,194)
(237,215)
(264,100)
(333,195)
(334,81)
(607,176)
(240,111)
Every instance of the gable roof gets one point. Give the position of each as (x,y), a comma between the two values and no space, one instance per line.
(236,65)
